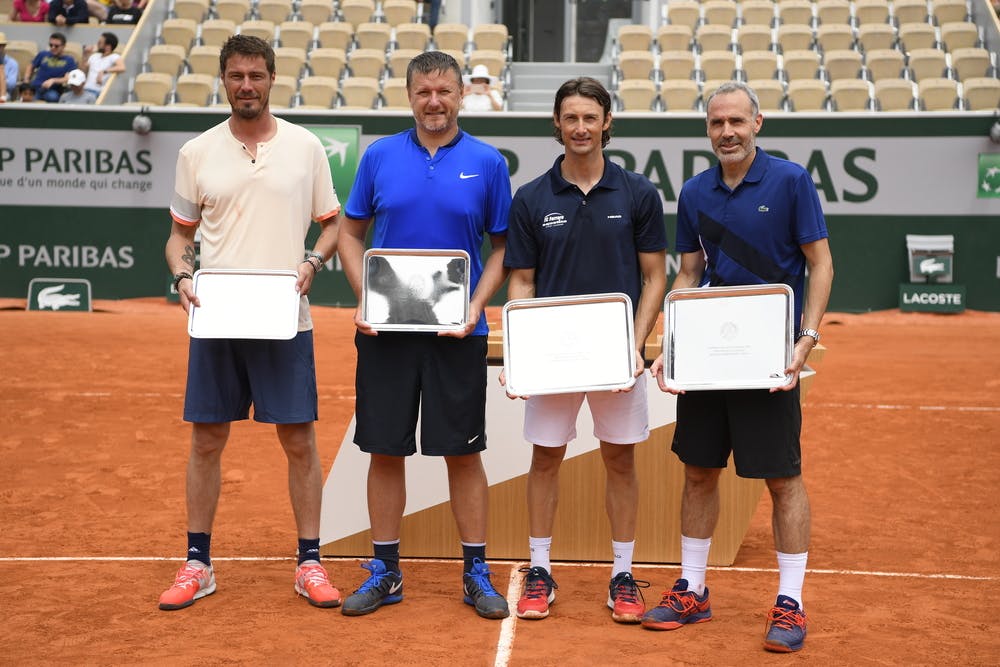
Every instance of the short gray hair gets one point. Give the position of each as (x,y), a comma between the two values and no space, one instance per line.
(737,86)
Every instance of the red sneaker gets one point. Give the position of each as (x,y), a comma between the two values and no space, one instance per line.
(312,582)
(539,593)
(625,598)
(194,580)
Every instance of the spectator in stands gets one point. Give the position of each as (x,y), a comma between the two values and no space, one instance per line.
(100,61)
(48,70)
(123,12)
(10,70)
(479,93)
(75,93)
(68,12)
(99,9)
(24,93)
(29,11)
(433,12)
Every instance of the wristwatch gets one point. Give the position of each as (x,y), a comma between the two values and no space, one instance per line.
(318,267)
(812,333)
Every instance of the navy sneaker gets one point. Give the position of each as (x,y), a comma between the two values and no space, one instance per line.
(678,607)
(786,626)
(539,593)
(479,592)
(625,599)
(382,587)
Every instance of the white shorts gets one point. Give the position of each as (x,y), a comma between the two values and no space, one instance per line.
(620,418)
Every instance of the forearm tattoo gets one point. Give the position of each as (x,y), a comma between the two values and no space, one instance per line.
(188,257)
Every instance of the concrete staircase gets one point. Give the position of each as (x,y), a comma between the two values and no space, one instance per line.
(533,86)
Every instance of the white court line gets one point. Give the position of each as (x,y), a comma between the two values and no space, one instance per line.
(927,408)
(505,644)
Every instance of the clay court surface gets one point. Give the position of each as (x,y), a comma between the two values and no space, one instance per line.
(901,456)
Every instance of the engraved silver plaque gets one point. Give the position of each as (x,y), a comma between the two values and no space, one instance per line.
(415,290)
(567,344)
(245,304)
(728,337)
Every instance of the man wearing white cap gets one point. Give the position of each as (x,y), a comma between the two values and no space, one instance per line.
(478,93)
(8,82)
(76,94)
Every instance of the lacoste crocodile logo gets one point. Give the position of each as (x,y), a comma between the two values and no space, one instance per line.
(52,297)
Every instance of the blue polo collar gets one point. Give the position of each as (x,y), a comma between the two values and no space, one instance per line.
(610,179)
(756,172)
(458,137)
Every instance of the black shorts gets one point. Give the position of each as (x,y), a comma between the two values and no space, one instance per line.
(401,375)
(761,430)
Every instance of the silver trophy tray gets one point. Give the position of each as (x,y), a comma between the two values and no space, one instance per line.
(561,345)
(245,304)
(415,290)
(728,337)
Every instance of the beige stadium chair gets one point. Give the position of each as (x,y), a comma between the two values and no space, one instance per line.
(190,9)
(717,65)
(296,33)
(850,95)
(759,64)
(636,64)
(491,37)
(215,32)
(909,11)
(835,37)
(495,61)
(233,10)
(258,28)
(680,95)
(398,12)
(289,60)
(166,58)
(795,12)
(938,94)
(412,36)
(204,59)
(675,37)
(152,87)
(327,62)
(637,95)
(947,11)
(770,94)
(677,64)
(358,92)
(710,86)
(366,63)
(179,31)
(800,65)
(971,62)
(876,36)
(75,49)
(884,64)
(632,37)
(844,64)
(394,93)
(960,35)
(754,38)
(335,35)
(373,35)
(23,51)
(894,95)
(795,37)
(917,36)
(684,12)
(833,11)
(400,59)
(357,12)
(927,64)
(283,92)
(758,12)
(316,11)
(982,93)
(713,37)
(458,55)
(318,92)
(195,89)
(275,11)
(807,95)
(871,11)
(719,12)
(451,36)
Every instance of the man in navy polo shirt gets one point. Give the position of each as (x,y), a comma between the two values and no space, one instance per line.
(587,226)
(431,187)
(752,219)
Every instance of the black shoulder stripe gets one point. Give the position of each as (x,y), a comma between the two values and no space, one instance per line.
(741,252)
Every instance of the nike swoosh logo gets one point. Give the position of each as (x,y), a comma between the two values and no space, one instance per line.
(395,587)
(472,440)
(464,175)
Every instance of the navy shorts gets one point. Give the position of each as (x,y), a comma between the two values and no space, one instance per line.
(401,375)
(226,376)
(761,430)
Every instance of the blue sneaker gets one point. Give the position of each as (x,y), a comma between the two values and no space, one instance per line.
(479,592)
(678,607)
(382,587)
(786,626)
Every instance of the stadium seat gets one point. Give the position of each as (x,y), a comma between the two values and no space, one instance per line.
(399,59)
(835,37)
(708,87)
(680,95)
(795,12)
(204,59)
(843,64)
(684,12)
(677,64)
(298,34)
(327,62)
(258,28)
(850,95)
(75,49)
(713,37)
(275,11)
(894,94)
(179,31)
(971,62)
(358,92)
(754,38)
(367,63)
(833,11)
(770,94)
(719,12)
(884,64)
(316,11)
(166,58)
(927,64)
(758,12)
(215,32)
(870,11)
(394,93)
(800,65)
(807,95)
(283,91)
(495,61)
(917,36)
(637,95)
(794,37)
(370,35)
(981,93)
(195,89)
(232,10)
(636,64)
(335,35)
(960,35)
(399,12)
(189,9)
(152,87)
(357,12)
(289,60)
(458,55)
(412,36)
(318,92)
(633,37)
(947,11)
(451,36)
(492,37)
(938,94)
(675,37)
(909,11)
(717,65)
(876,36)
(759,64)
(23,51)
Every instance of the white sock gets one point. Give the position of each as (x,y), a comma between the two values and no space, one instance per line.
(694,561)
(540,547)
(623,557)
(791,574)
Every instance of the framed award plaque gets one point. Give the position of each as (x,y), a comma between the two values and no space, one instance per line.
(245,304)
(415,290)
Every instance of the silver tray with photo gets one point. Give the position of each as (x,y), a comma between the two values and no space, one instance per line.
(245,304)
(728,337)
(560,345)
(415,290)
